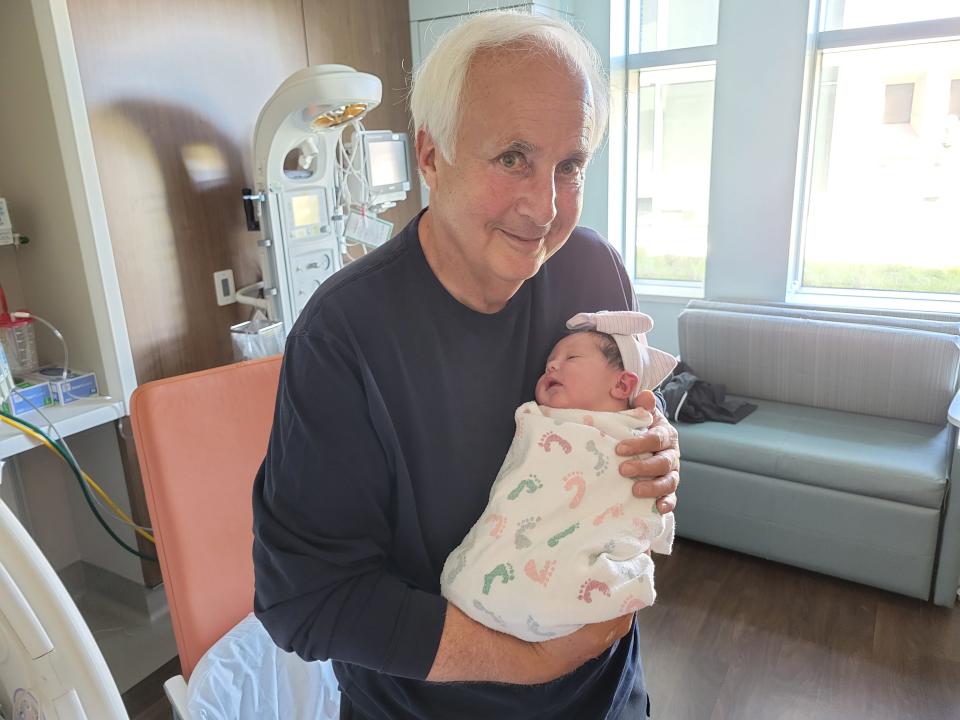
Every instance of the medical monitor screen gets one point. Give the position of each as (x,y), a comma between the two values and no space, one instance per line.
(387,163)
(306,210)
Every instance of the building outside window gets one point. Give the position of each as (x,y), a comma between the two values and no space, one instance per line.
(881,213)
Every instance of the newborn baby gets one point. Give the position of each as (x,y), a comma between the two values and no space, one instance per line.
(562,541)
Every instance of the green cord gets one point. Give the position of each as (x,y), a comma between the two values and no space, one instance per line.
(71,461)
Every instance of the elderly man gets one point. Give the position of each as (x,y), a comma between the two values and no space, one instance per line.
(398,388)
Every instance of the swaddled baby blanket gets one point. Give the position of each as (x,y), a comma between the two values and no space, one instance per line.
(562,542)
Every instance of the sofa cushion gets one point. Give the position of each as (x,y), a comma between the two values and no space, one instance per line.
(884,371)
(896,460)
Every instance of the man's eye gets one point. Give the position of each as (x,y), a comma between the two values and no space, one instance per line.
(569,167)
(511,159)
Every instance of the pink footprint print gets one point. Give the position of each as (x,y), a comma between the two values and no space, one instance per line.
(614,511)
(632,604)
(500,522)
(575,480)
(588,421)
(589,586)
(643,530)
(542,575)
(550,438)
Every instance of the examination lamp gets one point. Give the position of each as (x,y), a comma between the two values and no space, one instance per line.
(295,158)
(315,100)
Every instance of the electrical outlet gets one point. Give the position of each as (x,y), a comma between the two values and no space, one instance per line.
(225,287)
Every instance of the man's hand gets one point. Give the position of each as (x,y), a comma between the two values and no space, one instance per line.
(658,475)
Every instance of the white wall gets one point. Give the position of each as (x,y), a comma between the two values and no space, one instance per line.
(756,134)
(49,276)
(33,179)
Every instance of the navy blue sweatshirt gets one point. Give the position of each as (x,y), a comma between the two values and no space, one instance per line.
(394,412)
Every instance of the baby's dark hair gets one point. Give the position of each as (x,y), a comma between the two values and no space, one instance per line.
(608,346)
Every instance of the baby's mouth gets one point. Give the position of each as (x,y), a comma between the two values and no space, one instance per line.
(552,383)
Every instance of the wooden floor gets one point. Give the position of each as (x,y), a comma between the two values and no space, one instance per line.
(733,637)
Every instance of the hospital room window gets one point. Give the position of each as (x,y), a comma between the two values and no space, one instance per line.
(663,70)
(882,195)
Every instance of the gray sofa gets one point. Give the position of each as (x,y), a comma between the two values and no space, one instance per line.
(845,467)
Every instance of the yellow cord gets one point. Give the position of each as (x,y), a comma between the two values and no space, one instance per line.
(86,478)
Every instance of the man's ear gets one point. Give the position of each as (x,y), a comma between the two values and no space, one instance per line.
(626,383)
(427,158)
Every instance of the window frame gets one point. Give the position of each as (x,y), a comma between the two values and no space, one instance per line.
(859,38)
(625,69)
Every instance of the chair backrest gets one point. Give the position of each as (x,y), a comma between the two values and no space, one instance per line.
(200,439)
(905,369)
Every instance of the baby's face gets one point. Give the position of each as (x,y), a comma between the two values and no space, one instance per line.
(579,376)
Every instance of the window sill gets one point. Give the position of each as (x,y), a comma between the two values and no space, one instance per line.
(865,300)
(674,292)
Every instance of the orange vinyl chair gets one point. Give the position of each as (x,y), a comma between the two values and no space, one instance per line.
(200,440)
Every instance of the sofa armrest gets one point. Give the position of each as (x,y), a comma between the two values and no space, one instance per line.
(947,576)
(953,412)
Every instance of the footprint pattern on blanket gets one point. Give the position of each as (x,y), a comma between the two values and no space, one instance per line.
(589,586)
(499,523)
(534,627)
(529,485)
(520,539)
(632,604)
(575,481)
(552,542)
(551,438)
(589,422)
(479,606)
(540,575)
(643,530)
(602,463)
(607,549)
(461,560)
(614,511)
(503,571)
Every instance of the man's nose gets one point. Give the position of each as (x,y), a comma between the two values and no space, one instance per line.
(539,200)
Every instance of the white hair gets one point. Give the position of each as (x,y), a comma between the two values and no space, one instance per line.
(437,96)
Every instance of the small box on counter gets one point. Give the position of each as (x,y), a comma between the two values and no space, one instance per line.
(28,395)
(77,385)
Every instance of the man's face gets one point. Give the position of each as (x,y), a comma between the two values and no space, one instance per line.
(578,376)
(513,194)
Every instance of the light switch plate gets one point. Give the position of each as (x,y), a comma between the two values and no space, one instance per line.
(225,287)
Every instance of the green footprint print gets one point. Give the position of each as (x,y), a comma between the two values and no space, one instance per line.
(529,486)
(520,539)
(602,463)
(552,542)
(535,628)
(479,606)
(504,571)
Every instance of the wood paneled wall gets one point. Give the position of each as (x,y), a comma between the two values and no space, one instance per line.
(173,90)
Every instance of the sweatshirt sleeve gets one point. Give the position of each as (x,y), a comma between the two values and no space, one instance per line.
(322,523)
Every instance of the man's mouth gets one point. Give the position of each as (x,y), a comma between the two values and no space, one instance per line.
(521,238)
